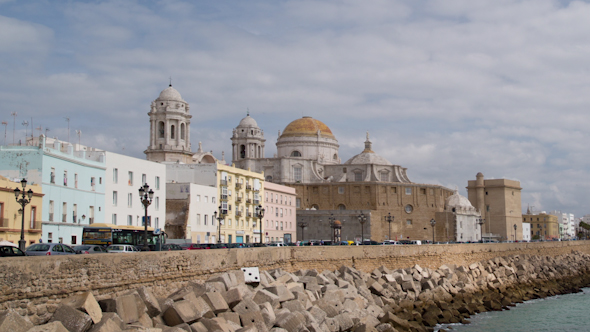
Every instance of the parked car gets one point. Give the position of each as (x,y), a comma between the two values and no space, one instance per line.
(239,245)
(418,242)
(275,245)
(43,249)
(10,251)
(259,245)
(344,243)
(90,249)
(192,246)
(122,248)
(370,243)
(389,242)
(219,245)
(171,246)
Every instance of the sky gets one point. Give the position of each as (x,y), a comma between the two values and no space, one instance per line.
(446,89)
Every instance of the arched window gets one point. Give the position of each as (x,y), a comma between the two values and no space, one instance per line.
(268,178)
(242,151)
(295,154)
(259,152)
(161,129)
(315,207)
(182,131)
(341,207)
(335,156)
(172,132)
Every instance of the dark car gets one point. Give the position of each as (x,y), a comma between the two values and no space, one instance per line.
(370,243)
(219,246)
(42,249)
(191,246)
(171,246)
(90,249)
(10,251)
(255,245)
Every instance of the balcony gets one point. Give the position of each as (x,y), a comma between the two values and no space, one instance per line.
(249,201)
(238,213)
(74,219)
(3,222)
(238,199)
(256,202)
(36,227)
(50,216)
(224,197)
(238,186)
(64,218)
(224,183)
(249,214)
(248,187)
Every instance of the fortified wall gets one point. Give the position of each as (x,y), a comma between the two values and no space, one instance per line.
(37,283)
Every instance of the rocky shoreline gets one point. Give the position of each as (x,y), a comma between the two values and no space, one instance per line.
(411,299)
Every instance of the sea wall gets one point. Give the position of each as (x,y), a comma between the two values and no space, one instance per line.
(30,282)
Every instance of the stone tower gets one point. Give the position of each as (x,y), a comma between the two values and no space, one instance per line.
(247,144)
(169,129)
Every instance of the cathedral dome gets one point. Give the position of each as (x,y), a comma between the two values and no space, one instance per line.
(458,201)
(170,93)
(368,156)
(307,126)
(248,121)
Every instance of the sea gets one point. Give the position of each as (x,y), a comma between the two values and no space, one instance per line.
(557,313)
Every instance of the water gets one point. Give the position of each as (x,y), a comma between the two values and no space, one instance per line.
(558,313)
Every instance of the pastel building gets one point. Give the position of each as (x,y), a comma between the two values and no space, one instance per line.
(73,184)
(124,176)
(190,212)
(280,221)
(11,215)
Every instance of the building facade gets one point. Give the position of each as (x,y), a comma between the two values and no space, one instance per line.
(500,205)
(542,226)
(460,222)
(124,175)
(11,215)
(280,216)
(73,184)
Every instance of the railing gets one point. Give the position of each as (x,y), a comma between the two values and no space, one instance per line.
(224,182)
(3,222)
(64,217)
(256,201)
(90,220)
(224,197)
(36,227)
(238,186)
(75,219)
(239,213)
(250,214)
(238,199)
(249,201)
(248,187)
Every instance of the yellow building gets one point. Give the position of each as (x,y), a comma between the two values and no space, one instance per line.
(10,213)
(543,226)
(240,192)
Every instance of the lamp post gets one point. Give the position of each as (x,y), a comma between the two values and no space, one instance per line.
(23,200)
(432,223)
(219,220)
(515,232)
(145,196)
(481,221)
(331,219)
(260,215)
(362,219)
(302,225)
(337,231)
(389,218)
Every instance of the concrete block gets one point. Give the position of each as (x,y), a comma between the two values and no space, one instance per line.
(250,328)
(332,325)
(263,295)
(201,306)
(268,314)
(85,302)
(181,312)
(235,295)
(225,279)
(282,292)
(145,320)
(253,318)
(150,301)
(246,306)
(231,317)
(184,327)
(216,302)
(318,314)
(127,308)
(72,319)
(216,324)
(293,306)
(10,320)
(199,327)
(49,327)
(344,321)
(110,322)
(334,295)
(331,308)
(292,322)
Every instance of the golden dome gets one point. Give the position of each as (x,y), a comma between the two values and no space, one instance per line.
(307,126)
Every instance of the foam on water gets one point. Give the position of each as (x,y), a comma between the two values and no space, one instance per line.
(557,313)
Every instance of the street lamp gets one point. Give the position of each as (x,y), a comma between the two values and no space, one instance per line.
(331,220)
(432,223)
(481,221)
(515,232)
(219,220)
(260,215)
(145,196)
(302,225)
(23,201)
(337,231)
(362,219)
(389,218)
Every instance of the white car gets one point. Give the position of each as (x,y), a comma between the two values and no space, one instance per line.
(121,248)
(275,245)
(388,242)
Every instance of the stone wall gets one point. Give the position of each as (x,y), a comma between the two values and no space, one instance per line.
(32,282)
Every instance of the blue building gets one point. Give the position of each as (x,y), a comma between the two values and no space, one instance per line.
(73,183)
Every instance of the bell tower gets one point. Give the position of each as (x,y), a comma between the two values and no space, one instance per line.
(247,143)
(169,129)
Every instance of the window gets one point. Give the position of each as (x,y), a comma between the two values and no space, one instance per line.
(76,180)
(295,154)
(129,220)
(409,222)
(114,219)
(358,176)
(341,190)
(115,175)
(423,191)
(93,183)
(130,200)
(75,213)
(297,174)
(161,129)
(206,199)
(298,203)
(157,183)
(33,215)
(213,199)
(205,219)
(182,131)
(51,210)
(172,131)
(49,237)
(65,178)
(157,203)
(115,198)
(52,176)
(408,191)
(100,180)
(266,196)
(198,198)
(157,222)
(384,176)
(143,178)
(341,207)
(130,179)
(64,212)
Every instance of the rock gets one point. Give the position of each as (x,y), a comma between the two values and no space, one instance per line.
(10,320)
(85,302)
(72,319)
(150,301)
(110,322)
(50,327)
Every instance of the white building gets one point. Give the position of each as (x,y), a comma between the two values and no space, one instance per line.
(193,207)
(124,176)
(567,228)
(459,221)
(526,232)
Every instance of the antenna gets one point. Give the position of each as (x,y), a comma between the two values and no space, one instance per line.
(68,120)
(170,81)
(79,133)
(13,125)
(26,124)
